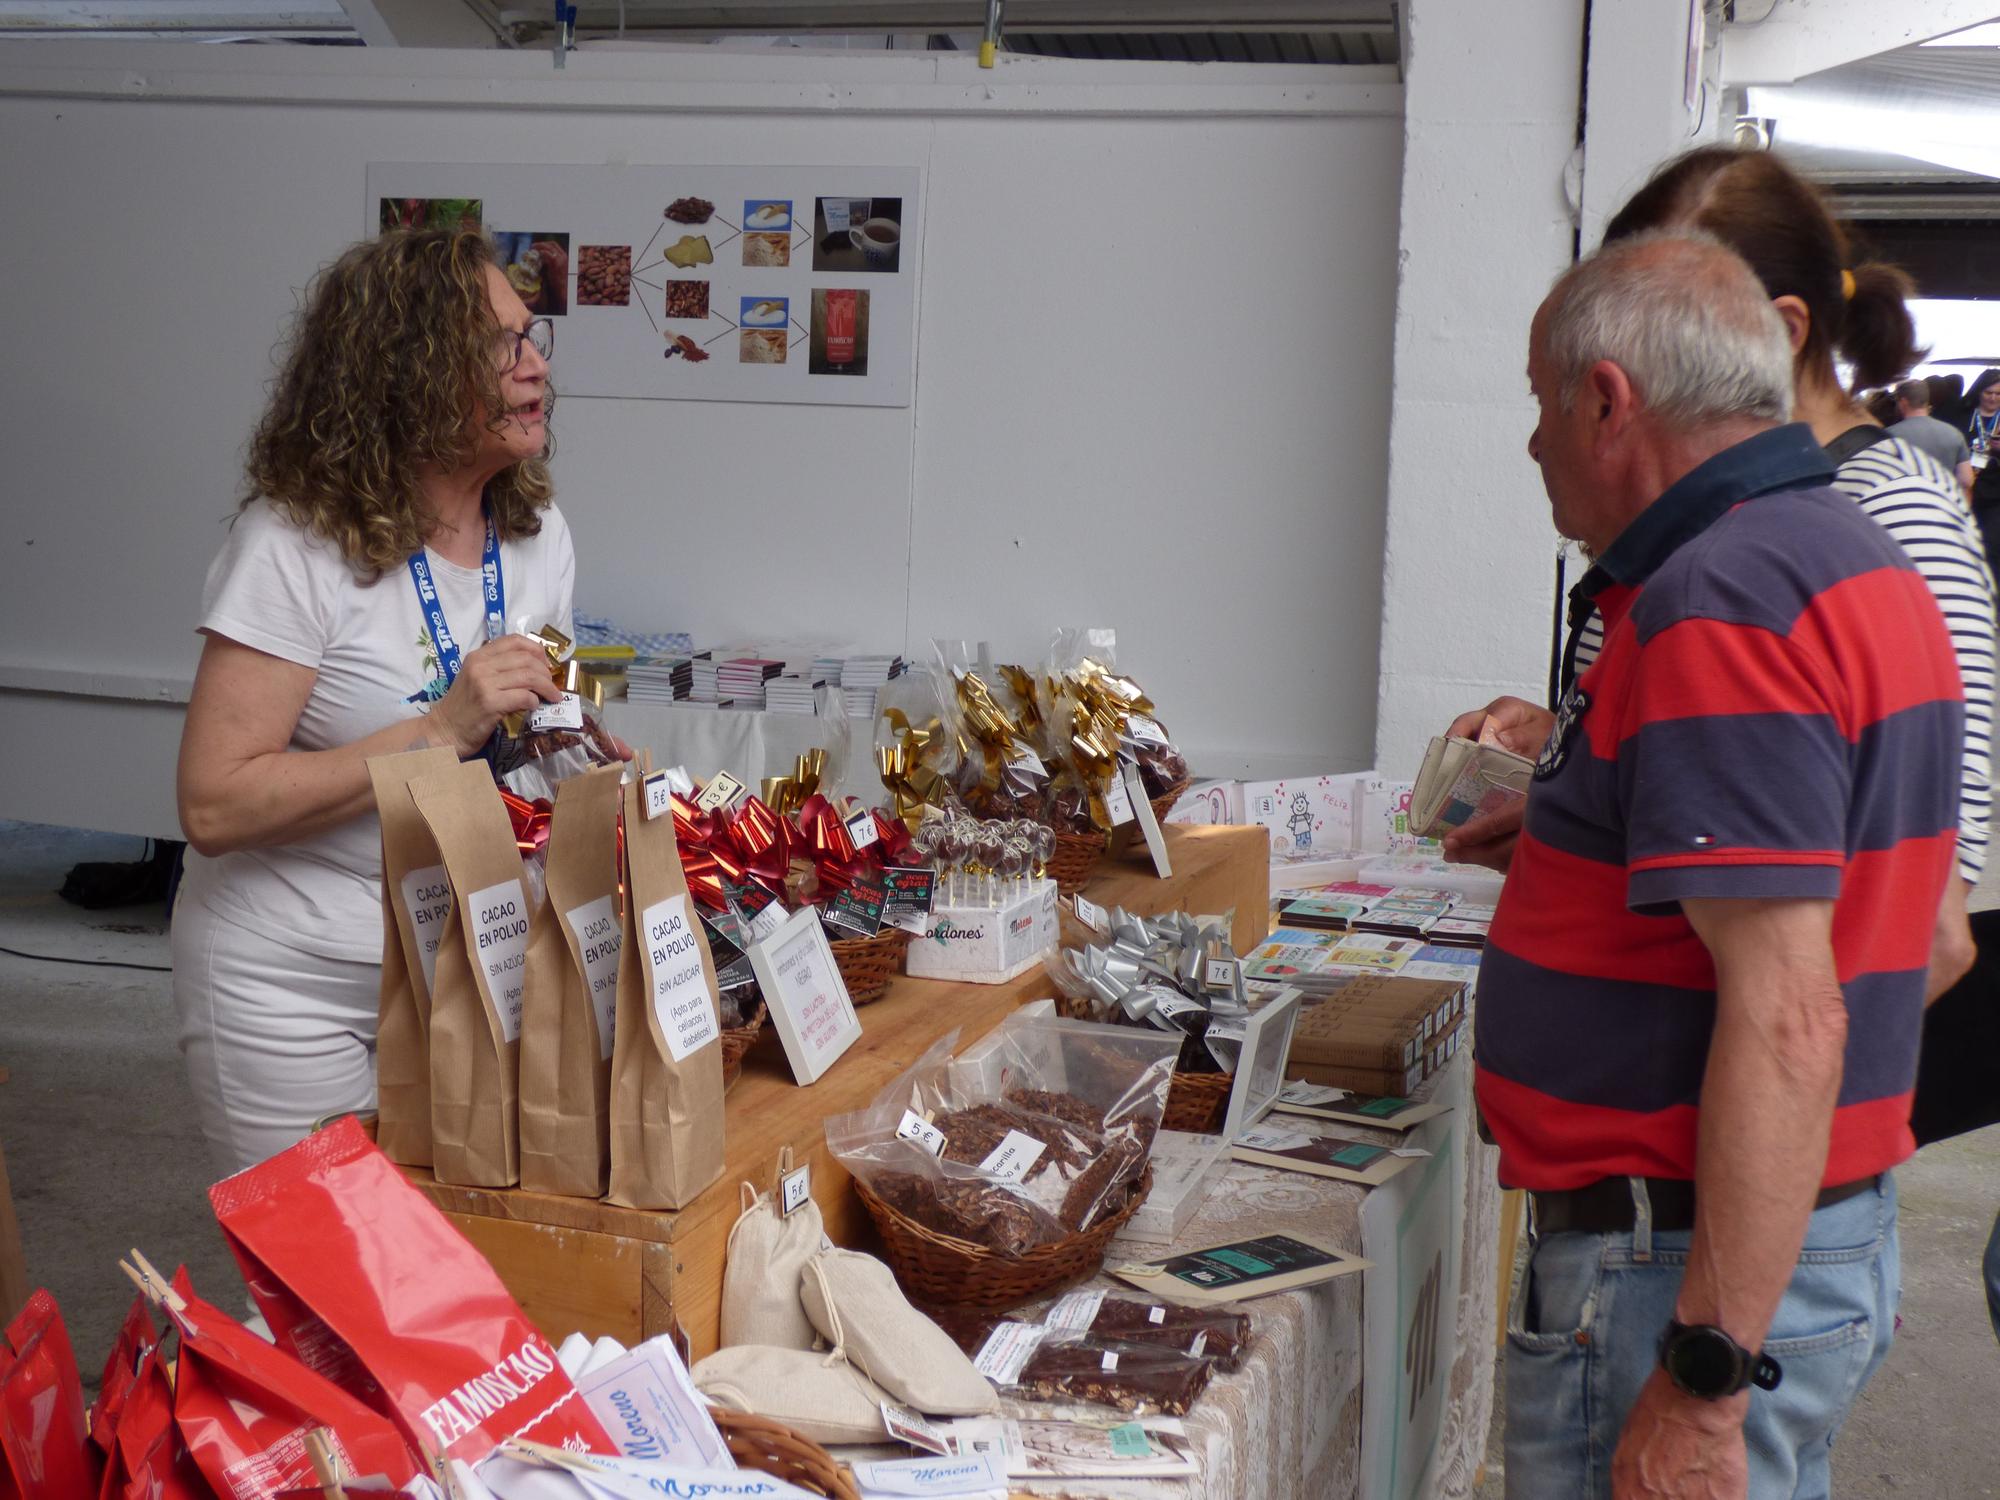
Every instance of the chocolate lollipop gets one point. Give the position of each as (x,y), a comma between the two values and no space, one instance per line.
(987,850)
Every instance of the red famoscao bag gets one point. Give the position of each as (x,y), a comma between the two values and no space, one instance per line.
(245,1409)
(149,1461)
(367,1283)
(136,1340)
(42,1425)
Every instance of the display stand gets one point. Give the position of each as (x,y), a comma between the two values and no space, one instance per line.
(580,1265)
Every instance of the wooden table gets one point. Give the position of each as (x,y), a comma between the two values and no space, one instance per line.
(580,1265)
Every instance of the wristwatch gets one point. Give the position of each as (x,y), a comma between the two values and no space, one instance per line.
(1707,1363)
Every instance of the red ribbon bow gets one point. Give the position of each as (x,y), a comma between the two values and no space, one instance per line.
(530,820)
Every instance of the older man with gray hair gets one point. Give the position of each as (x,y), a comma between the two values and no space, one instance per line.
(1700,1005)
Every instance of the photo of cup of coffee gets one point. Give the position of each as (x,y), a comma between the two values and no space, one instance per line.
(878,240)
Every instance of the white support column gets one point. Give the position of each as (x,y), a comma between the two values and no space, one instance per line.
(1490,118)
(418,23)
(1636,107)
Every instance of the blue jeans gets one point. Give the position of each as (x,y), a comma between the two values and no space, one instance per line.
(1583,1336)
(1993,1276)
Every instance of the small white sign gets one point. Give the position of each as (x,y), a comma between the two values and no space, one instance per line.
(918,1432)
(1145,730)
(566,713)
(809,1004)
(1260,1065)
(767,920)
(1073,1312)
(1109,1362)
(974,1474)
(427,899)
(794,1191)
(1149,826)
(1011,1160)
(1007,1350)
(1221,974)
(861,829)
(499,925)
(1298,1091)
(1093,916)
(1118,801)
(659,795)
(915,1127)
(1272,1138)
(723,790)
(594,928)
(681,1000)
(1156,1315)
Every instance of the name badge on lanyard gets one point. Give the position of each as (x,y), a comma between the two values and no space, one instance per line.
(448,653)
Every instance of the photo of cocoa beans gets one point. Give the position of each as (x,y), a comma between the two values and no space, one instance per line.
(603,275)
(687,299)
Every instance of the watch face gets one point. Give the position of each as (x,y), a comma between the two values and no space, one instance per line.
(1703,1362)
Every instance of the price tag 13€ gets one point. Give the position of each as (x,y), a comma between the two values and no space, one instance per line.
(794,1191)
(723,791)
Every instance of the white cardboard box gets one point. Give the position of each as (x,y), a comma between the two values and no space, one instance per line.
(1185,1168)
(987,944)
(1209,802)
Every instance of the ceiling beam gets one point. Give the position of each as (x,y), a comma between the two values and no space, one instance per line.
(421,23)
(1798,37)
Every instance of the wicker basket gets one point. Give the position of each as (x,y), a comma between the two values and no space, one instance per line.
(867,963)
(944,1271)
(1076,860)
(1196,1102)
(735,1042)
(1164,803)
(772,1448)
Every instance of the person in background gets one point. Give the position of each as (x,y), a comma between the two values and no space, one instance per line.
(1916,426)
(1880,406)
(403,451)
(1700,1001)
(1948,398)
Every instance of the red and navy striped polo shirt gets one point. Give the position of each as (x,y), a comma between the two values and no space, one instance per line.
(1776,713)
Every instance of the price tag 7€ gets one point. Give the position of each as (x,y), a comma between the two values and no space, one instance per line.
(861,828)
(794,1191)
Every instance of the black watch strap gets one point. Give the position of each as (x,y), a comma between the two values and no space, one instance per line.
(1705,1362)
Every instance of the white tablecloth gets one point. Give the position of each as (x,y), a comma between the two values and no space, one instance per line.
(1289,1422)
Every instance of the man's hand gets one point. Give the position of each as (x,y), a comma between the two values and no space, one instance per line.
(1676,1447)
(1522,727)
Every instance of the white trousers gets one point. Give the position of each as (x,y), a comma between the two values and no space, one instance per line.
(275,1039)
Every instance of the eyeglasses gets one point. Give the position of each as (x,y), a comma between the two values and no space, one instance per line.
(541,332)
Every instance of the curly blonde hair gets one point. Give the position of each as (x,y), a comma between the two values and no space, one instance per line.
(389,363)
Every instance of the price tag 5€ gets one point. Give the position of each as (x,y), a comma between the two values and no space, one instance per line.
(916,1128)
(794,1191)
(659,795)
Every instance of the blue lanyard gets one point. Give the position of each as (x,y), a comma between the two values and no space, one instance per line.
(433,608)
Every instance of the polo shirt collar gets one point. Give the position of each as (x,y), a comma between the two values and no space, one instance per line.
(1782,458)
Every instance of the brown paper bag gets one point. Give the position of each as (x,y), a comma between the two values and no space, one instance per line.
(415,900)
(666,1058)
(480,980)
(567,1014)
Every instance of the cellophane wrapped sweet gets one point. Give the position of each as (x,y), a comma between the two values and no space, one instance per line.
(1045,1123)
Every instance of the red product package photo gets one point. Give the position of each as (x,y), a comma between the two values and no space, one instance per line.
(42,1424)
(363,1280)
(245,1409)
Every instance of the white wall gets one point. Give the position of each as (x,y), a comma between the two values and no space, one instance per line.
(1490,124)
(1153,339)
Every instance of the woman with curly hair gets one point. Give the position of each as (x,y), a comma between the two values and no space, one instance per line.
(399,517)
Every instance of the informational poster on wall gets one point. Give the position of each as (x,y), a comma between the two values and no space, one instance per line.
(684,283)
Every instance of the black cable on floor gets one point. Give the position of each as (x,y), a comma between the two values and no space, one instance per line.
(94,963)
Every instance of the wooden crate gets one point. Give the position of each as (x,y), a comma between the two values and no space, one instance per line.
(579,1265)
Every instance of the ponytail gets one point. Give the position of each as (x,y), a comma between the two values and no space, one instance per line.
(1877,337)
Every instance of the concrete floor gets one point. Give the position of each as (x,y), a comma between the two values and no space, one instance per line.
(101,1144)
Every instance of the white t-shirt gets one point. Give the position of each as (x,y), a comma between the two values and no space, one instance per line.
(281,590)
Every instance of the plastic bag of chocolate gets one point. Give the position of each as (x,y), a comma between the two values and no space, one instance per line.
(1215,1333)
(537,751)
(1032,1137)
(1033,1362)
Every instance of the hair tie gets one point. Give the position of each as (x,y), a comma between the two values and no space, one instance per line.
(1847,285)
